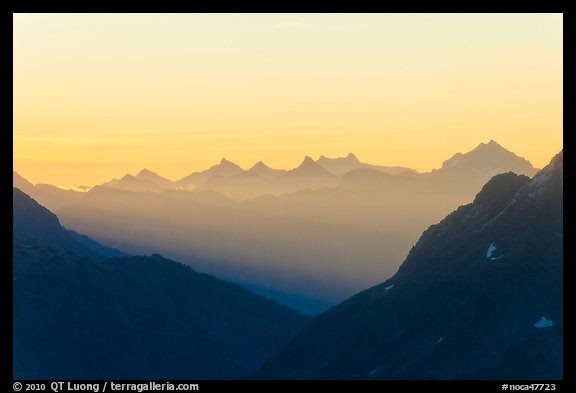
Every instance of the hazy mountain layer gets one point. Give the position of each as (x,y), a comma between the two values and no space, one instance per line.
(261,180)
(52,197)
(33,224)
(343,165)
(224,168)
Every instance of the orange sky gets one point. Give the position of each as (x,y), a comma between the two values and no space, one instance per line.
(100,95)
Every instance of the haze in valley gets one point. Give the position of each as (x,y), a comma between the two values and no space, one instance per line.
(306,237)
(299,155)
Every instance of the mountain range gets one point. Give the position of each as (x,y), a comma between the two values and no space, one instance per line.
(306,237)
(80,313)
(478,297)
(230,179)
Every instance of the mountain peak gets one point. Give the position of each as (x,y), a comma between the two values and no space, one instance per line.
(223,168)
(260,165)
(263,170)
(309,167)
(228,165)
(149,176)
(308,162)
(488,159)
(351,156)
(501,187)
(145,172)
(492,144)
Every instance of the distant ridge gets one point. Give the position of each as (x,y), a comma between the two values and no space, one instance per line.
(265,171)
(489,158)
(153,177)
(309,167)
(223,168)
(343,165)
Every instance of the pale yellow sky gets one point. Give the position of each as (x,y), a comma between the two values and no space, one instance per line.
(100,95)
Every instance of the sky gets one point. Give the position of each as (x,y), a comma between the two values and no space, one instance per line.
(97,96)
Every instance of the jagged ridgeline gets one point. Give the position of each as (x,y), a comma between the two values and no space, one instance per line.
(478,297)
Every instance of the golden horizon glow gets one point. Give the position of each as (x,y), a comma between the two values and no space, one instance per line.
(97,96)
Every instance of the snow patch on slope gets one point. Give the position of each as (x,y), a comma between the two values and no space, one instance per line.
(490,250)
(543,323)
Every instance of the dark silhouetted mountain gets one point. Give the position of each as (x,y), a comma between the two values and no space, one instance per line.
(478,297)
(342,165)
(48,195)
(160,181)
(265,171)
(488,158)
(35,225)
(224,168)
(136,318)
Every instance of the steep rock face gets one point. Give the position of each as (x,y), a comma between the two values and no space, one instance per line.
(479,296)
(33,224)
(136,318)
